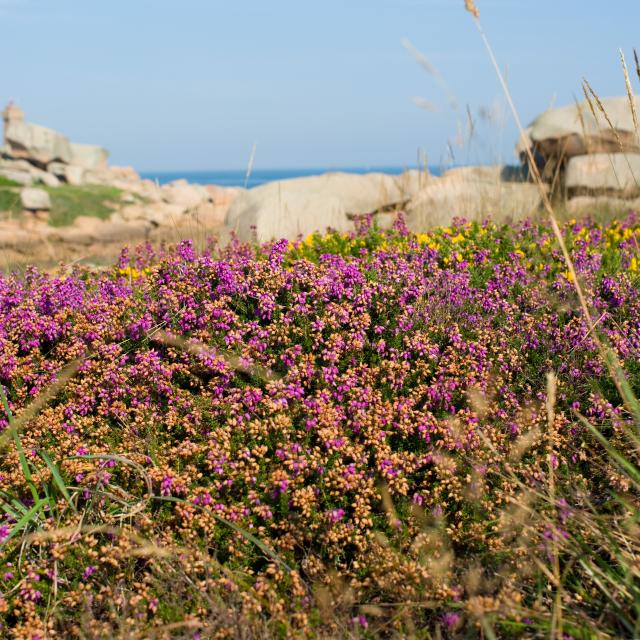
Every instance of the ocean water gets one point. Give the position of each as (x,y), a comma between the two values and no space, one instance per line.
(237,178)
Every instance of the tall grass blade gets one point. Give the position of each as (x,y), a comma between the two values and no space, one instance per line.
(26,519)
(57,478)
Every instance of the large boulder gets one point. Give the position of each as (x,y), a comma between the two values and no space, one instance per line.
(604,173)
(39,144)
(469,196)
(47,178)
(88,156)
(300,206)
(34,199)
(580,120)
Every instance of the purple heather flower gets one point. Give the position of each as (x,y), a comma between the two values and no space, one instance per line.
(451,619)
(89,571)
(335,515)
(360,621)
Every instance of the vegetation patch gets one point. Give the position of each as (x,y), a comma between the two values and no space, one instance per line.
(365,435)
(7,182)
(10,201)
(68,202)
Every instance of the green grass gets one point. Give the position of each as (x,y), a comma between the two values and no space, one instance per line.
(68,202)
(6,182)
(10,200)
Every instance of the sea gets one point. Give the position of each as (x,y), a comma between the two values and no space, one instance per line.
(239,178)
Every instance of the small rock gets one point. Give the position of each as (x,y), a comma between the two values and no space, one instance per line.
(34,199)
(58,169)
(48,178)
(185,194)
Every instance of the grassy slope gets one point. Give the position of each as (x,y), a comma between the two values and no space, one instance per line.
(67,201)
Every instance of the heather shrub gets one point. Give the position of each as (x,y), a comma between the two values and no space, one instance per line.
(349,435)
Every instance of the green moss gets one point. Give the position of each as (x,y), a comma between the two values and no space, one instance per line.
(68,202)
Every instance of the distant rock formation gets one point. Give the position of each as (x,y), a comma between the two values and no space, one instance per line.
(41,146)
(583,153)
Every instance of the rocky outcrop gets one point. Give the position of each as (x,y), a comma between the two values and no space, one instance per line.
(40,145)
(48,156)
(559,134)
(581,153)
(300,206)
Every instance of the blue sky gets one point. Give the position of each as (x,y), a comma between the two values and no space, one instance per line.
(192,84)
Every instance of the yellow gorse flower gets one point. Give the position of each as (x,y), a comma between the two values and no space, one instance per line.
(133,273)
